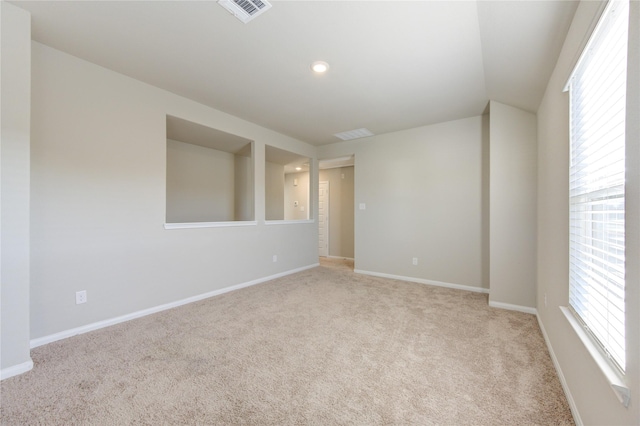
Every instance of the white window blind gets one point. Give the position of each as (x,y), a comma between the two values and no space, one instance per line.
(597,91)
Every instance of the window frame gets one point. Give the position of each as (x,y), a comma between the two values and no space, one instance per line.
(612,370)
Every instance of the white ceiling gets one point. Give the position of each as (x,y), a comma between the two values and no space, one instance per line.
(394,64)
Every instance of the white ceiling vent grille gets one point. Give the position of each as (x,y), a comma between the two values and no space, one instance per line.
(353,134)
(245,10)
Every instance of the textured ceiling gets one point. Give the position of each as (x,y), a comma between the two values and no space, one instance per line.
(394,64)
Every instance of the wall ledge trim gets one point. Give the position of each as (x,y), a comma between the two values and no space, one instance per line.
(615,379)
(511,307)
(34,343)
(15,370)
(193,225)
(563,381)
(423,281)
(288,222)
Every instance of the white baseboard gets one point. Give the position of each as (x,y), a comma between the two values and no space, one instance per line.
(423,281)
(113,321)
(510,307)
(563,381)
(14,370)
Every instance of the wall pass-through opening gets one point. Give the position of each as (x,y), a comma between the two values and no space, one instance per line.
(209,174)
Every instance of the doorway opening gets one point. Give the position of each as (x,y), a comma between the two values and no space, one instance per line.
(336,210)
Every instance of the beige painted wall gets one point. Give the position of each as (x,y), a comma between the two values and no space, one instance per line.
(299,193)
(98,198)
(341,210)
(200,183)
(423,191)
(512,176)
(589,392)
(15,180)
(274,191)
(243,191)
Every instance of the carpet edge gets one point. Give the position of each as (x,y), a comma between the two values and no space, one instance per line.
(423,281)
(565,387)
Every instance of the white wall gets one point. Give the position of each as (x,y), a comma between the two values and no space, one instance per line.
(513,153)
(98,201)
(341,210)
(593,401)
(423,190)
(14,207)
(200,183)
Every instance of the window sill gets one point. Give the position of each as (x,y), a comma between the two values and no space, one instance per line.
(191,225)
(613,376)
(287,222)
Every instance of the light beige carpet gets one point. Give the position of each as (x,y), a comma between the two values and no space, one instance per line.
(321,347)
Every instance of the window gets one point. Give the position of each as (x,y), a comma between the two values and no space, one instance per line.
(597,90)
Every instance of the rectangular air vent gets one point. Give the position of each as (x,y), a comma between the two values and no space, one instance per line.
(245,10)
(354,134)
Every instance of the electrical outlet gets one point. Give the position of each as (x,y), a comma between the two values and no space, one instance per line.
(415,260)
(275,258)
(81,297)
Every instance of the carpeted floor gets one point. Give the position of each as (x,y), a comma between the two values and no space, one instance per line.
(320,347)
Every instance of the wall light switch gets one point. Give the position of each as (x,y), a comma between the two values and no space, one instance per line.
(363,206)
(295,204)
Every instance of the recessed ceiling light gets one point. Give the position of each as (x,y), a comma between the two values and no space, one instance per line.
(320,66)
(298,168)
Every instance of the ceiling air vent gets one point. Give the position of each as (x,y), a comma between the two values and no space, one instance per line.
(245,10)
(354,134)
